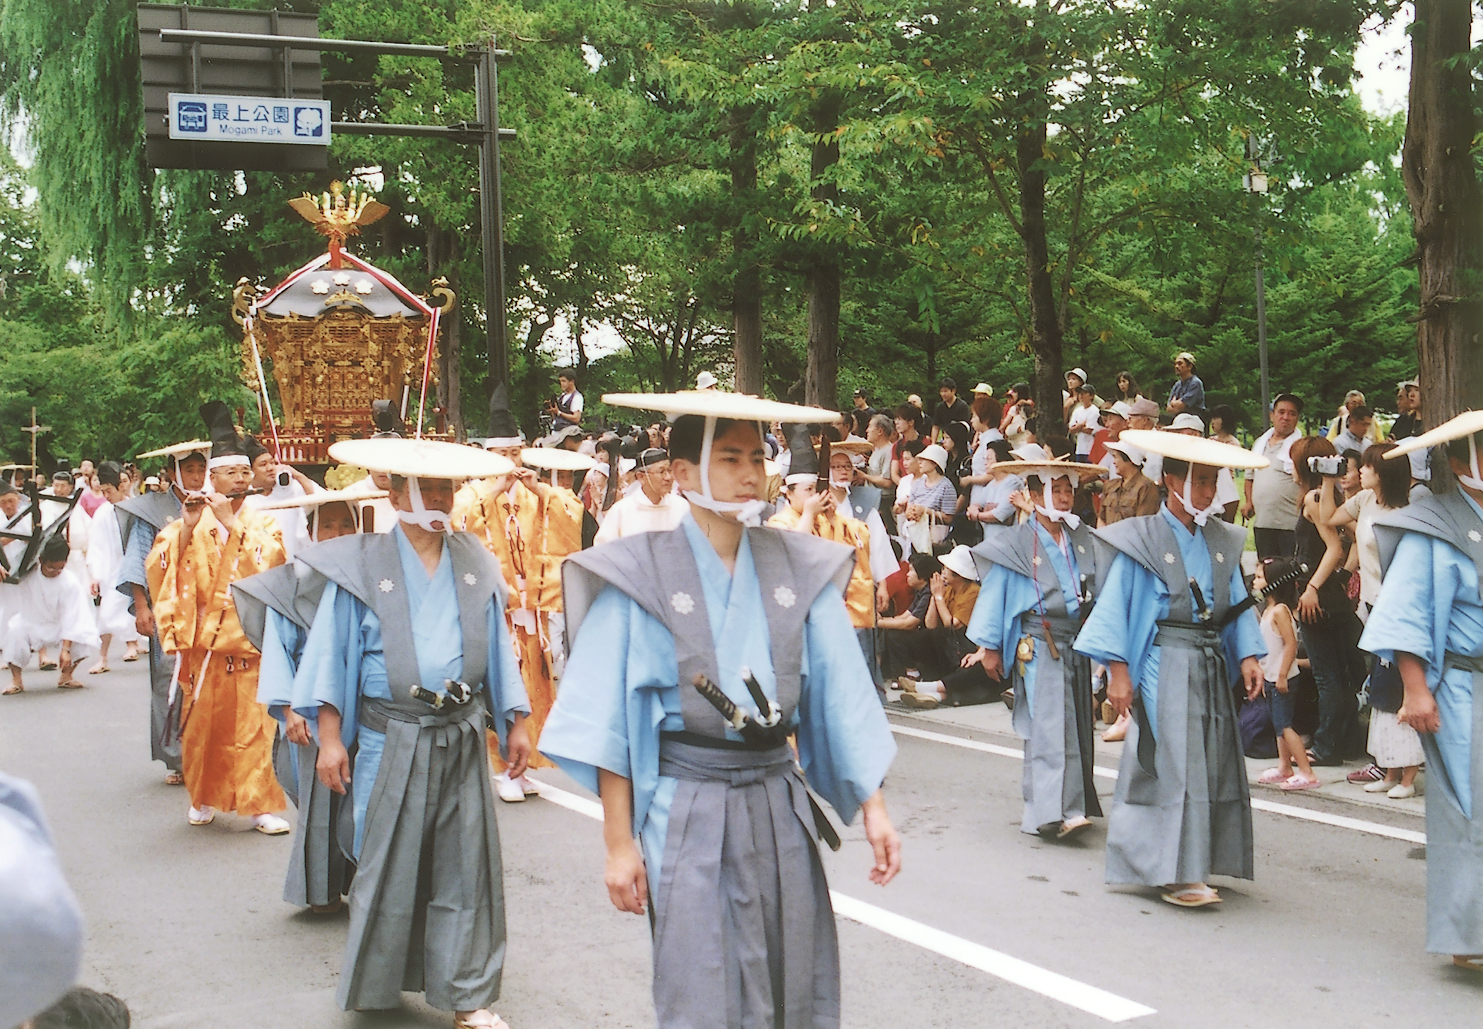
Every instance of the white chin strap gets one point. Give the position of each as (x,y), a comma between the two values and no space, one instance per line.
(841,483)
(180,482)
(1474,481)
(748,512)
(432,521)
(1200,517)
(1049,508)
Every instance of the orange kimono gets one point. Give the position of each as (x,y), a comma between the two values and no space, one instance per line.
(226,747)
(531,530)
(859,596)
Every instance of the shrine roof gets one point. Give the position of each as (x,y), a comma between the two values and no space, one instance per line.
(317,288)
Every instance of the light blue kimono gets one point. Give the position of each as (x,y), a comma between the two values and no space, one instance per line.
(1132,601)
(342,661)
(1429,606)
(1005,597)
(619,692)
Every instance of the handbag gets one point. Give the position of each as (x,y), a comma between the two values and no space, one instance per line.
(1258,734)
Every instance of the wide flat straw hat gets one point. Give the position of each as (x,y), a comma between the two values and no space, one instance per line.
(1463,425)
(557,458)
(1194,449)
(195,446)
(420,458)
(717,404)
(319,499)
(1048,469)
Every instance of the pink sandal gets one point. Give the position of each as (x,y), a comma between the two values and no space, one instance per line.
(1273,777)
(1297,782)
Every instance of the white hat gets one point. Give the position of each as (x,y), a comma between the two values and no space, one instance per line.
(1463,425)
(1187,421)
(1121,408)
(1030,452)
(195,446)
(1049,470)
(960,560)
(322,497)
(984,387)
(626,465)
(420,458)
(715,404)
(1194,449)
(935,454)
(1129,451)
(556,458)
(705,380)
(914,399)
(1080,373)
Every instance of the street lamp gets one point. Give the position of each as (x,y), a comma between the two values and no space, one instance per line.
(1255,182)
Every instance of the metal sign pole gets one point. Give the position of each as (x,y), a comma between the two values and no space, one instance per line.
(491,216)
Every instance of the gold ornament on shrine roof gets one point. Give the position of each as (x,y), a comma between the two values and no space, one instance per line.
(339,213)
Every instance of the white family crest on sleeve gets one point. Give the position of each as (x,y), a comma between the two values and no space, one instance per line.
(386,585)
(1168,559)
(1220,558)
(784,596)
(682,602)
(1474,536)
(471,578)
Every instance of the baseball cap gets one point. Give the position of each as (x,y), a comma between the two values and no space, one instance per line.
(1119,408)
(1291,398)
(1187,421)
(1185,355)
(1143,407)
(984,387)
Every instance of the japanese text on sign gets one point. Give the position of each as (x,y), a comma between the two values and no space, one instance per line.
(249,119)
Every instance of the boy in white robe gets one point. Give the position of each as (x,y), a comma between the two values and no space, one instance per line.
(49,607)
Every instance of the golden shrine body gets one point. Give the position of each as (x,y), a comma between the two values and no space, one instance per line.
(338,334)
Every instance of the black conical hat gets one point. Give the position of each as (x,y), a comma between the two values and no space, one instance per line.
(252,447)
(388,422)
(802,459)
(501,421)
(223,433)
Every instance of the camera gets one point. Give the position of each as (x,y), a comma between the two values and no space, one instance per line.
(283,478)
(1326,466)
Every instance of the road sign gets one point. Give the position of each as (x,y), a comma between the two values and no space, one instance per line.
(249,119)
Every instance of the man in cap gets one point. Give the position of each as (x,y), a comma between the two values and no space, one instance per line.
(1182,808)
(669,631)
(653,507)
(1187,395)
(226,736)
(530,527)
(1428,622)
(406,662)
(140,519)
(275,616)
(1037,585)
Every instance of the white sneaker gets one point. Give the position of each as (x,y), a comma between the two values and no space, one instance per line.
(202,815)
(509,790)
(1380,786)
(270,825)
(1399,792)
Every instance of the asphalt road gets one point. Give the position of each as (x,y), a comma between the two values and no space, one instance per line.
(187,924)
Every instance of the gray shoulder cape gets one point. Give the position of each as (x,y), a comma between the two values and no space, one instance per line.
(276,588)
(156,509)
(1447,517)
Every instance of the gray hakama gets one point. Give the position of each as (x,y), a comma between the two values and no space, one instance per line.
(1052,694)
(1181,811)
(140,520)
(275,613)
(427,904)
(744,934)
(1430,606)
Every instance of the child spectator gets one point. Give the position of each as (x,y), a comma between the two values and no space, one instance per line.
(1279,668)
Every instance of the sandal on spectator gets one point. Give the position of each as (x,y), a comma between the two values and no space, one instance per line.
(1297,782)
(1273,776)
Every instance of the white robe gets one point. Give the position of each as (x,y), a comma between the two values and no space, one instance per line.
(47,612)
(636,513)
(105,556)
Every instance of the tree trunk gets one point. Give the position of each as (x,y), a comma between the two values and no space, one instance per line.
(821,386)
(1447,210)
(1045,327)
(746,290)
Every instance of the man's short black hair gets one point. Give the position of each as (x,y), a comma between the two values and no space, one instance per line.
(111,473)
(61,475)
(910,413)
(688,433)
(56,550)
(947,382)
(82,1008)
(567,374)
(1175,467)
(1360,411)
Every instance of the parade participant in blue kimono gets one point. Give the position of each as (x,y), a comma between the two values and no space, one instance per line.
(408,660)
(1036,584)
(695,653)
(1428,622)
(275,616)
(1169,624)
(140,520)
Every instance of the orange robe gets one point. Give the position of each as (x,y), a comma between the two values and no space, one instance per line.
(531,530)
(859,596)
(226,747)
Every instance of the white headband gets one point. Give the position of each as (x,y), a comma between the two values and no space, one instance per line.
(231,460)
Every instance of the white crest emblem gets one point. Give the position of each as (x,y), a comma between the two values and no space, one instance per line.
(342,278)
(1473,535)
(684,603)
(784,596)
(386,585)
(364,286)
(320,287)
(1035,560)
(1220,558)
(1168,559)
(1080,549)
(471,578)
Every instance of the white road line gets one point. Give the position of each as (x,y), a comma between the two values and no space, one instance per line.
(1322,817)
(1057,987)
